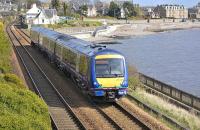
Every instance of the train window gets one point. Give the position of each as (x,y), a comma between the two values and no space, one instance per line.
(83,65)
(65,55)
(58,50)
(72,58)
(45,42)
(109,67)
(51,46)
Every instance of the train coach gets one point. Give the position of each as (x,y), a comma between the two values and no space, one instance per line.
(99,71)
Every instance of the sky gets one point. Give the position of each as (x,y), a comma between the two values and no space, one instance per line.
(187,3)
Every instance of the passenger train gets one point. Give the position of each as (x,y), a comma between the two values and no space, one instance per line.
(99,71)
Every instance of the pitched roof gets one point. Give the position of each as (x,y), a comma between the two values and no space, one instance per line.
(49,12)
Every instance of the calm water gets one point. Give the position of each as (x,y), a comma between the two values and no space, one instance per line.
(171,57)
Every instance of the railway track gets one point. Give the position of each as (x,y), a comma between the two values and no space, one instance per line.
(109,123)
(61,113)
(129,120)
(115,108)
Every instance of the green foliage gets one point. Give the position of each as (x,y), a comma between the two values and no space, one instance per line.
(19,107)
(83,9)
(133,79)
(137,11)
(136,89)
(22,109)
(65,6)
(55,4)
(5,52)
(76,23)
(134,82)
(129,9)
(13,79)
(114,10)
(184,117)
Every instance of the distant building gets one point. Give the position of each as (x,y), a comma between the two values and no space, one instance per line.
(194,12)
(122,13)
(7,6)
(91,12)
(149,12)
(77,3)
(41,16)
(171,11)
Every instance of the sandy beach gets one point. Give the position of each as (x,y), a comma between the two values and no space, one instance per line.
(132,29)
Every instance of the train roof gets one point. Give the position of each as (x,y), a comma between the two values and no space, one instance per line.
(76,44)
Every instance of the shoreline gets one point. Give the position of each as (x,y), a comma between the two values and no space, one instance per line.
(128,31)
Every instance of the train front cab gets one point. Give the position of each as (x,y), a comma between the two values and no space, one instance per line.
(109,75)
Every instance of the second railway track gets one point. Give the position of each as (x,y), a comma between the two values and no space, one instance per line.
(112,121)
(61,113)
(129,120)
(108,122)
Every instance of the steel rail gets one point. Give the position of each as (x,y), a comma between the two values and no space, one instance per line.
(110,120)
(69,109)
(54,126)
(131,116)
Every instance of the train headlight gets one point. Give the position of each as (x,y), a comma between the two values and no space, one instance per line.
(96,84)
(122,92)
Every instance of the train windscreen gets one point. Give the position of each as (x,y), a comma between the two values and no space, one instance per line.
(109,68)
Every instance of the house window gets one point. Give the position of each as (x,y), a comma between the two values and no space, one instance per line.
(42,20)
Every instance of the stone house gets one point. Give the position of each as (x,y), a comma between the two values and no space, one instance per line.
(171,11)
(92,11)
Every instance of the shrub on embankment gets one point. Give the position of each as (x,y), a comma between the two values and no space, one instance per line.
(5,52)
(19,107)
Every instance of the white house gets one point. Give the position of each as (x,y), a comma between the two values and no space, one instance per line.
(41,16)
(92,11)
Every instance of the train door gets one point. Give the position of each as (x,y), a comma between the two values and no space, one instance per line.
(40,39)
(77,62)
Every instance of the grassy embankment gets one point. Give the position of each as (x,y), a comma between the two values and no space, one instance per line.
(19,107)
(76,23)
(182,116)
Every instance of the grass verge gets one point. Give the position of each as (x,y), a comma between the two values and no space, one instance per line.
(19,107)
(5,49)
(76,23)
(188,119)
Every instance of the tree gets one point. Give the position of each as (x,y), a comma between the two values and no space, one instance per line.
(83,9)
(137,11)
(129,9)
(55,4)
(65,7)
(114,10)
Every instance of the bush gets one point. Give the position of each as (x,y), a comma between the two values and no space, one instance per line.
(134,81)
(19,107)
(22,109)
(11,78)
